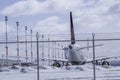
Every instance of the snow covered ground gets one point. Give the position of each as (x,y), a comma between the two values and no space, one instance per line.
(84,72)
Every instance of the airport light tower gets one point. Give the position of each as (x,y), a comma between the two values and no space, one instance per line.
(31,47)
(6,19)
(17,24)
(58,51)
(49,49)
(43,49)
(26,43)
(55,50)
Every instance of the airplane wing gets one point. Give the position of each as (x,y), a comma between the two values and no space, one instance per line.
(103,58)
(88,61)
(41,59)
(90,46)
(15,57)
(55,59)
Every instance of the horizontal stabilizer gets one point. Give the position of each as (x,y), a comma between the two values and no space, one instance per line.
(90,46)
(51,47)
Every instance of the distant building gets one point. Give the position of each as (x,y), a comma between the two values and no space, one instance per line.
(5,62)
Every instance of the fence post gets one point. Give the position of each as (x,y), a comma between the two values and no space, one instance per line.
(37,37)
(94,71)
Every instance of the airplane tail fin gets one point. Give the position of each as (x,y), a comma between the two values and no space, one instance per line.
(72,29)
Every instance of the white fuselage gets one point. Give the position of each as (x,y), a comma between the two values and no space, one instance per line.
(75,55)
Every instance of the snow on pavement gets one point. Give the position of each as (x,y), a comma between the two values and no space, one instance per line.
(84,72)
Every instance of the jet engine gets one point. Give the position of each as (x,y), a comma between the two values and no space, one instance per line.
(56,64)
(105,63)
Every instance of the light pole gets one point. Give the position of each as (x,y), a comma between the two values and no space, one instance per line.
(17,24)
(43,49)
(53,56)
(87,44)
(6,19)
(58,51)
(62,53)
(31,47)
(55,50)
(49,49)
(26,43)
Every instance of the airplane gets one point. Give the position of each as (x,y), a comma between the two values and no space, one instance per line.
(74,53)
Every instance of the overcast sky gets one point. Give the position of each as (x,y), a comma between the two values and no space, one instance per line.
(52,16)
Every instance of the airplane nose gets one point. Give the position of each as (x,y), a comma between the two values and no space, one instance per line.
(70,47)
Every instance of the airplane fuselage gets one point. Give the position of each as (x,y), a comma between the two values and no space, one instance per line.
(75,56)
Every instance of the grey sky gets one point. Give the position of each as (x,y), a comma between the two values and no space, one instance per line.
(88,15)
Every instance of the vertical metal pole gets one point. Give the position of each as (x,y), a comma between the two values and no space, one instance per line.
(6,19)
(49,49)
(94,71)
(55,49)
(31,47)
(2,63)
(87,44)
(62,53)
(42,49)
(3,60)
(17,23)
(37,37)
(26,43)
(58,51)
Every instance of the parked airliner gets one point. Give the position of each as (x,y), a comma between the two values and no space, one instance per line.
(74,53)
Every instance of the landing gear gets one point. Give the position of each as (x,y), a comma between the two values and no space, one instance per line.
(67,66)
